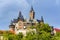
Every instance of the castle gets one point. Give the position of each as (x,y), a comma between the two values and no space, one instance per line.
(21,23)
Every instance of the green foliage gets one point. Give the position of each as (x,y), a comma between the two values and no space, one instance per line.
(19,36)
(42,33)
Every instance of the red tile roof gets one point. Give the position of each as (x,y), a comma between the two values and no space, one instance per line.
(57,30)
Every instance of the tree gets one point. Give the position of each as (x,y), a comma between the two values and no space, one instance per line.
(42,33)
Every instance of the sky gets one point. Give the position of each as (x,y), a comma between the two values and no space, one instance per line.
(49,9)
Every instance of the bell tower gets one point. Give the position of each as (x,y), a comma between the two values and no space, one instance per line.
(32,14)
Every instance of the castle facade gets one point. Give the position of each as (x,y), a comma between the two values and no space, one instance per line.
(17,25)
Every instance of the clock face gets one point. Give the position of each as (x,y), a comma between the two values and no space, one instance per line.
(20,24)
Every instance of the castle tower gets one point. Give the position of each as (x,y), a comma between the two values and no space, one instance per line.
(11,27)
(32,14)
(19,25)
(42,20)
(53,31)
(20,17)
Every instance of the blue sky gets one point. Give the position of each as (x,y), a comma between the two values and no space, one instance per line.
(49,9)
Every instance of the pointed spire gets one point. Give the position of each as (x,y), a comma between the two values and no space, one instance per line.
(32,13)
(20,17)
(42,20)
(19,13)
(32,9)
